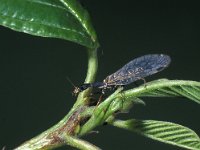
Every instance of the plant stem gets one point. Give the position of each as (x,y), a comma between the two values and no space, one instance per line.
(91,74)
(80,144)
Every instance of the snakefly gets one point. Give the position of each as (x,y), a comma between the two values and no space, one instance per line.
(137,69)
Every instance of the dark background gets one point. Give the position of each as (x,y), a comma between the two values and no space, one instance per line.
(35,94)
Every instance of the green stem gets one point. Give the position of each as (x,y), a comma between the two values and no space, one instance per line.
(91,74)
(92,65)
(122,124)
(80,144)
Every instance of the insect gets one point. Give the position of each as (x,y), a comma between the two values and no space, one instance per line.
(137,69)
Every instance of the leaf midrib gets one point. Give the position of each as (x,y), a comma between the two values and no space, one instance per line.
(45,24)
(47,4)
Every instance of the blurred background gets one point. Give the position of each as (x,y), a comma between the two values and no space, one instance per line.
(35,94)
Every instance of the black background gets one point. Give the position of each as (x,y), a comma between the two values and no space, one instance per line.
(35,94)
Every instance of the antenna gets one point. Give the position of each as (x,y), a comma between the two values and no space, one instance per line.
(77,90)
(71,82)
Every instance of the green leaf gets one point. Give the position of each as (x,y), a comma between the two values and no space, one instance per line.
(166,88)
(165,132)
(49,18)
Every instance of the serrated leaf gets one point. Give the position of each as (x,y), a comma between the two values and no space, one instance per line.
(49,18)
(167,88)
(165,132)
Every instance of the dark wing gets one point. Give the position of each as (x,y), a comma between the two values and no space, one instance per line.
(139,68)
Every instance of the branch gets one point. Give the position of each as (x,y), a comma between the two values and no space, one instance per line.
(80,144)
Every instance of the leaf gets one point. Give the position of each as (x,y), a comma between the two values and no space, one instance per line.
(49,18)
(166,88)
(165,132)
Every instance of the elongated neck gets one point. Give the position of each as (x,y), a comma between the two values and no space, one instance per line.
(85,86)
(88,85)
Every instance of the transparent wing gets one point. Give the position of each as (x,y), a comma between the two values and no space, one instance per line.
(139,68)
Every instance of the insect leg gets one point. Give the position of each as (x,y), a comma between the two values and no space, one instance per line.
(143,79)
(100,99)
(144,82)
